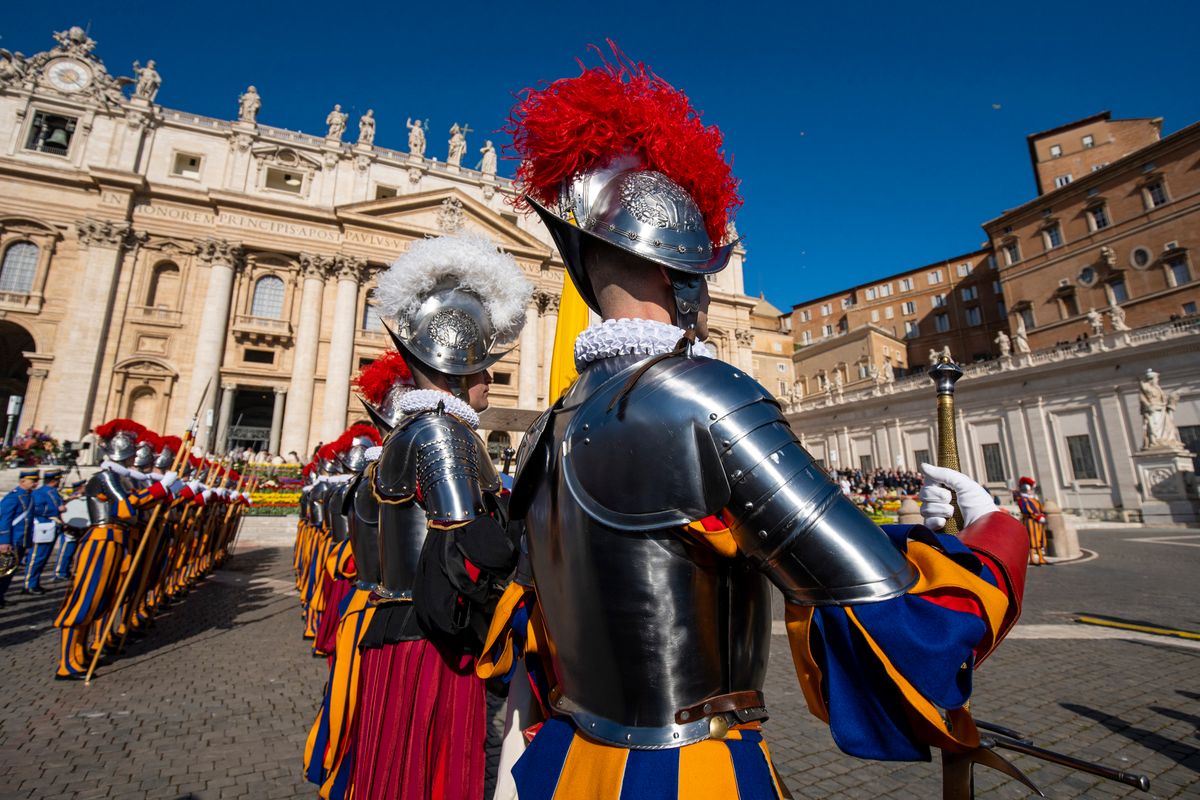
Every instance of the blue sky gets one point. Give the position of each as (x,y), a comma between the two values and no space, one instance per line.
(866,135)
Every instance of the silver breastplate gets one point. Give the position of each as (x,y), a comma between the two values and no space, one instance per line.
(644,624)
(103,490)
(402,530)
(364,533)
(339,523)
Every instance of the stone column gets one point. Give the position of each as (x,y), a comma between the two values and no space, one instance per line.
(223,417)
(80,347)
(222,259)
(549,305)
(527,371)
(341,347)
(297,417)
(277,419)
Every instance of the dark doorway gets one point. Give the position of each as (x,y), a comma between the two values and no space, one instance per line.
(14,367)
(250,422)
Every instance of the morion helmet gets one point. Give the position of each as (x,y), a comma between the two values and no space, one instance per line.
(618,157)
(168,446)
(119,438)
(147,446)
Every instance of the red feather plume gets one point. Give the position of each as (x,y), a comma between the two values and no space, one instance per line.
(172,443)
(574,125)
(361,429)
(375,380)
(119,425)
(149,437)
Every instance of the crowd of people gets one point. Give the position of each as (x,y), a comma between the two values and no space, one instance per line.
(878,483)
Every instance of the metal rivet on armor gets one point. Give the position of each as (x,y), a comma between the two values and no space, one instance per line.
(685,715)
(586,426)
(718,727)
(749,505)
(629,737)
(762,534)
(737,374)
(675,735)
(708,708)
(725,443)
(593,724)
(587,440)
(737,473)
(713,415)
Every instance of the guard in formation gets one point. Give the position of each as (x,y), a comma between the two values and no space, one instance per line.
(656,504)
(151,535)
(1033,517)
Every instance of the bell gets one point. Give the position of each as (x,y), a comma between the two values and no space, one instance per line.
(58,138)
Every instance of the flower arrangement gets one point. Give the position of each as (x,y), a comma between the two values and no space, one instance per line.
(30,449)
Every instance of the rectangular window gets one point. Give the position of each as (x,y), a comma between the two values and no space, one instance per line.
(1098,217)
(885,290)
(935,276)
(938,301)
(874,315)
(964,270)
(846,303)
(827,331)
(1012,253)
(1055,150)
(866,463)
(888,313)
(826,309)
(1062,180)
(806,337)
(1177,271)
(283,181)
(909,308)
(1027,317)
(1117,293)
(871,293)
(911,329)
(1190,436)
(782,389)
(1053,236)
(969,292)
(906,284)
(50,133)
(974,317)
(1156,194)
(383,192)
(259,356)
(996,288)
(1068,306)
(1089,142)
(992,261)
(1001,309)
(186,165)
(502,378)
(1083,461)
(941,322)
(1189,308)
(993,464)
(921,457)
(1098,167)
(805,315)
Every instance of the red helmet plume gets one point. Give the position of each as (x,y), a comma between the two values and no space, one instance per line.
(119,425)
(375,380)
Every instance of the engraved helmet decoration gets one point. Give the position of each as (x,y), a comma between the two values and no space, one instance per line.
(119,438)
(626,160)
(453,300)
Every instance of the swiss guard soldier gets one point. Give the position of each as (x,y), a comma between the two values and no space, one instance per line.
(65,562)
(114,506)
(421,721)
(1033,517)
(665,493)
(329,756)
(47,508)
(16,522)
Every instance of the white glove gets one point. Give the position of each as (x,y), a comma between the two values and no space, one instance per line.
(941,484)
(207,495)
(246,495)
(169,477)
(196,486)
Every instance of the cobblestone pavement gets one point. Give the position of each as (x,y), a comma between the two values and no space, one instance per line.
(217,701)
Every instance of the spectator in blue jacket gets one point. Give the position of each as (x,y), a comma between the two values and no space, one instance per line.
(16,521)
(47,506)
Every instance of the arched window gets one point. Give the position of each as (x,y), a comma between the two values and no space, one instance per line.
(164,286)
(143,403)
(18,268)
(370,321)
(268,298)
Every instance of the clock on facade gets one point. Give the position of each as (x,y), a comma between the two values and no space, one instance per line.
(68,75)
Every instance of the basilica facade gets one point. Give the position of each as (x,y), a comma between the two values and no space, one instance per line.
(161,265)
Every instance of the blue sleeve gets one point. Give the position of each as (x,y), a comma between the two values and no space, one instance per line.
(8,509)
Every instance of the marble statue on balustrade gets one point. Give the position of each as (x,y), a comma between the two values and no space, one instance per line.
(934,356)
(249,104)
(336,122)
(416,137)
(1096,321)
(148,81)
(1158,414)
(1117,315)
(366,128)
(488,164)
(458,144)
(889,372)
(1021,339)
(12,67)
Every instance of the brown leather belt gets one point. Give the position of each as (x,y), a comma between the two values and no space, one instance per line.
(747,706)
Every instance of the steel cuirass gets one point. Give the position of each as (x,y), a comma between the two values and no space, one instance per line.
(316,503)
(103,490)
(648,625)
(363,512)
(339,523)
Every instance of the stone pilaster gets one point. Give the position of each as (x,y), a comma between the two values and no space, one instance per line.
(349,273)
(222,259)
(297,417)
(548,303)
(76,371)
(224,416)
(527,371)
(277,419)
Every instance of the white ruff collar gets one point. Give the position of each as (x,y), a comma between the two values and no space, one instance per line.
(373,453)
(624,337)
(419,400)
(334,478)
